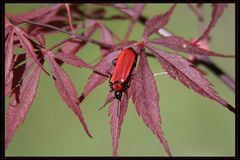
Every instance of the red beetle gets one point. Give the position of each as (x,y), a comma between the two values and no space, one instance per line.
(121,77)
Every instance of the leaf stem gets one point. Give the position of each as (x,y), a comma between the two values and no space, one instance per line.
(129,31)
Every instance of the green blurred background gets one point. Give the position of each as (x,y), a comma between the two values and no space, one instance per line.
(193,125)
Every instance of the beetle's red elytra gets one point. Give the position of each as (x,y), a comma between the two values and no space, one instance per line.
(120,79)
(122,72)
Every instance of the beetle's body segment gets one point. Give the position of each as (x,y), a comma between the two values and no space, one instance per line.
(122,73)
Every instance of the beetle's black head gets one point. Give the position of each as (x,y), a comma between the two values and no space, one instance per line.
(118,95)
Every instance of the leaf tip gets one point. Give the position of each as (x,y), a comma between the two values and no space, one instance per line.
(81,98)
(231,108)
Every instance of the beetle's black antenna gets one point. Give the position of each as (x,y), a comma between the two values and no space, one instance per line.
(108,101)
(102,74)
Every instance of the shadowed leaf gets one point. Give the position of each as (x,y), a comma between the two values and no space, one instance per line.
(98,13)
(27,46)
(17,111)
(8,53)
(41,38)
(16,75)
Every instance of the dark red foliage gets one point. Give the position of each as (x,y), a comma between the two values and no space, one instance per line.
(73,46)
(38,13)
(105,36)
(20,103)
(72,59)
(66,89)
(16,74)
(181,69)
(157,22)
(138,8)
(49,16)
(117,120)
(22,71)
(123,8)
(180,44)
(27,46)
(8,54)
(217,11)
(40,37)
(134,12)
(147,106)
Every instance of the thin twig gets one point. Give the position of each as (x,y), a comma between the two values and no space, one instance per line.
(74,35)
(69,17)
(58,44)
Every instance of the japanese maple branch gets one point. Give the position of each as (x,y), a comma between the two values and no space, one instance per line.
(223,76)
(73,35)
(206,62)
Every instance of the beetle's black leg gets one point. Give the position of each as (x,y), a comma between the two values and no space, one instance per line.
(125,91)
(107,101)
(102,74)
(110,83)
(111,86)
(109,74)
(114,62)
(128,82)
(110,77)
